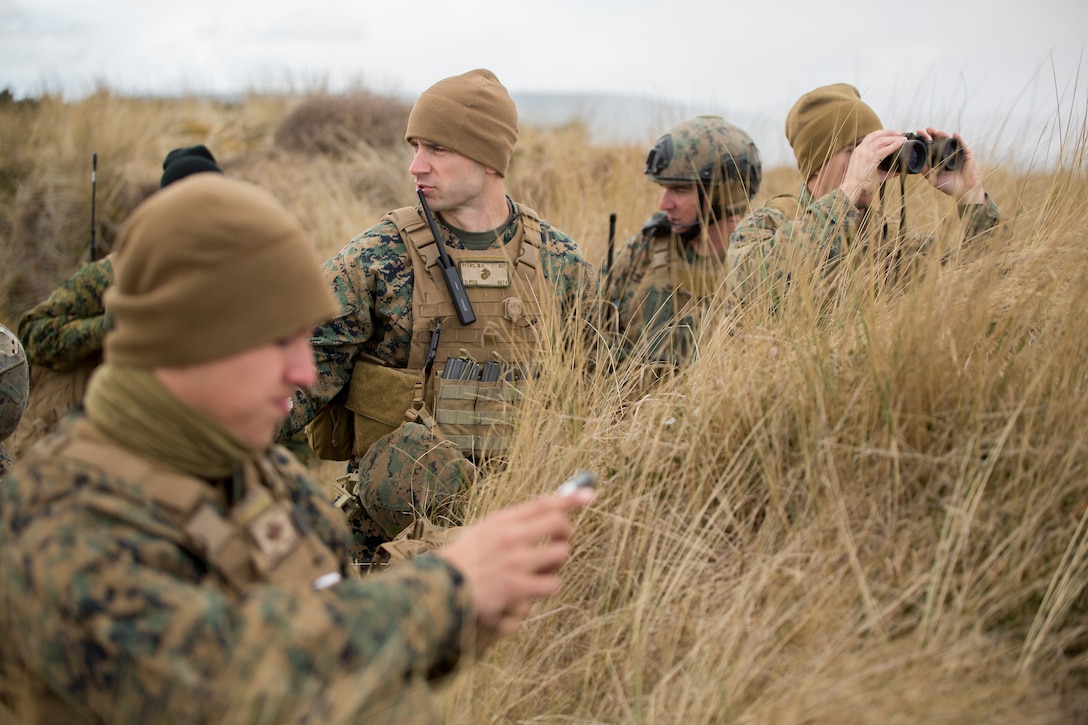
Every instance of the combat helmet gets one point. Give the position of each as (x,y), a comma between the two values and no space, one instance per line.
(14,382)
(713,153)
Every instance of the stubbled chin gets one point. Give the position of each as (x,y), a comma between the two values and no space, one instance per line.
(263,439)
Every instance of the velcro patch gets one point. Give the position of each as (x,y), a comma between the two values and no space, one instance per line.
(485,273)
(274,533)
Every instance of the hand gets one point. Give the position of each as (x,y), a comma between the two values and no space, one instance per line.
(963,183)
(862,175)
(512,557)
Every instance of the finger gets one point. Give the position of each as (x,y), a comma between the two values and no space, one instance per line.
(510,620)
(885,145)
(880,133)
(546,558)
(533,586)
(579,498)
(543,518)
(545,504)
(547,525)
(508,625)
(519,610)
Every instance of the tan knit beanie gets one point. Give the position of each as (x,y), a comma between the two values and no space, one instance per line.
(209,267)
(825,121)
(471,114)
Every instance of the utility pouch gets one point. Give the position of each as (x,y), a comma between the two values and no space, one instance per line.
(379,396)
(476,410)
(455,410)
(331,433)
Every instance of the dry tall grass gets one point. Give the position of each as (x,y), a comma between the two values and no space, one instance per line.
(872,508)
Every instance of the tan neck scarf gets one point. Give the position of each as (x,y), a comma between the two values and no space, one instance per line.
(131,406)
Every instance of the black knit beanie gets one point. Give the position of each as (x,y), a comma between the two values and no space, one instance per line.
(179,163)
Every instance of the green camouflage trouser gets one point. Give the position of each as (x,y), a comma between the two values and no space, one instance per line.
(407,473)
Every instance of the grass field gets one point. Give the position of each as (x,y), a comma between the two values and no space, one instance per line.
(873,509)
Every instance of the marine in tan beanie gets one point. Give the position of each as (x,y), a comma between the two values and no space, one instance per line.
(840,142)
(404,300)
(840,145)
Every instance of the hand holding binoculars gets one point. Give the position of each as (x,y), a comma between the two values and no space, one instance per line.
(917,155)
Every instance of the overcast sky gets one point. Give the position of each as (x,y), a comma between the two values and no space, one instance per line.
(1002,72)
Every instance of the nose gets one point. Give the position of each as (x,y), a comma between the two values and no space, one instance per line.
(420,165)
(668,200)
(301,370)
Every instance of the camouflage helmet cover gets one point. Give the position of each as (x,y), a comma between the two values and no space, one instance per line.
(14,382)
(711,152)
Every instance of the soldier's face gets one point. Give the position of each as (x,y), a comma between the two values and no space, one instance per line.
(249,393)
(832,173)
(448,179)
(680,204)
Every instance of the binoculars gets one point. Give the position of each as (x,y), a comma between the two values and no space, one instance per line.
(917,154)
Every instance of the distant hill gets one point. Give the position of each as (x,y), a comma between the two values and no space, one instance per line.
(634,118)
(615,117)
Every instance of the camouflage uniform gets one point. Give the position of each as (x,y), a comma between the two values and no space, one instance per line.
(69,327)
(372,277)
(64,337)
(788,230)
(109,612)
(664,316)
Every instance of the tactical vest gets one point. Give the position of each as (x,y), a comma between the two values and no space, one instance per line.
(479,370)
(670,277)
(259,541)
